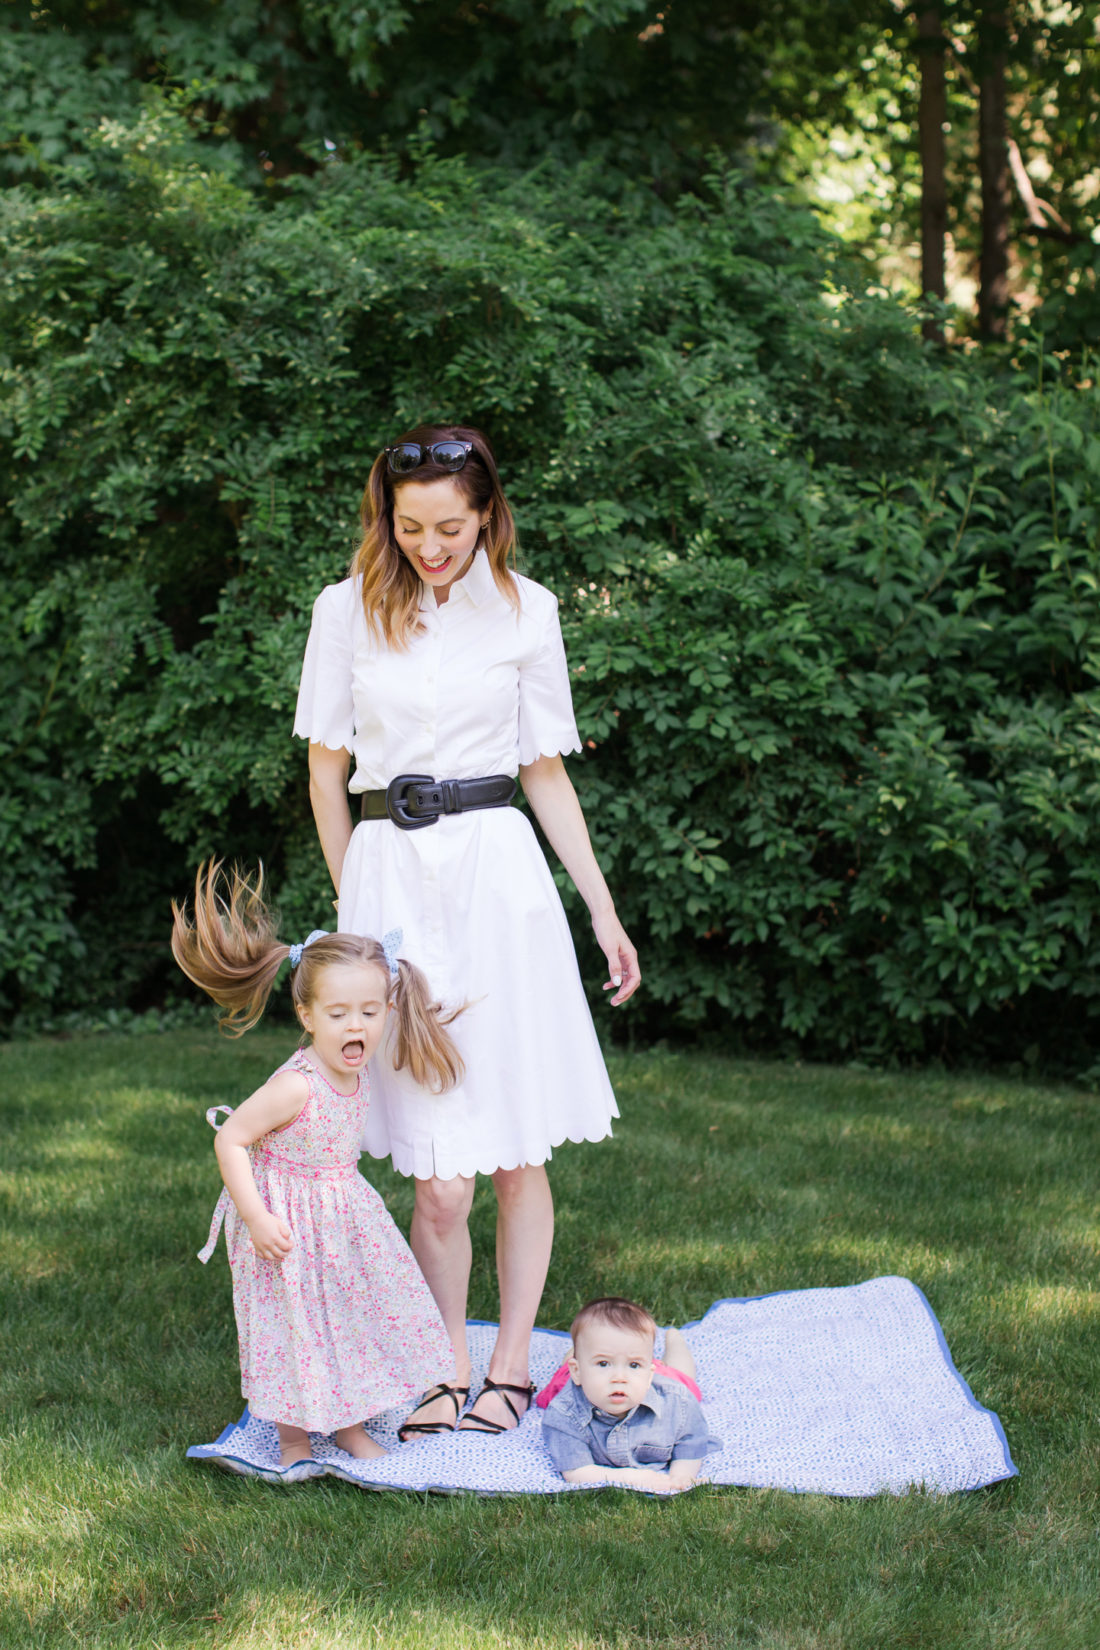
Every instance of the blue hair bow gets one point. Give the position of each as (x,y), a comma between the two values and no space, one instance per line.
(296,950)
(390,942)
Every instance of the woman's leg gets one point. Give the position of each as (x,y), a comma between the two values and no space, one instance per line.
(525,1236)
(440,1240)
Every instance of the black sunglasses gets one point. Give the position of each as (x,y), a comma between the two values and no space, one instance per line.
(407,456)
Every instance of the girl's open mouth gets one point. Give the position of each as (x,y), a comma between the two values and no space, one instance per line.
(353,1051)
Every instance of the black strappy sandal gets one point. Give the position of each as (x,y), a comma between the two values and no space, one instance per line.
(480,1423)
(429,1429)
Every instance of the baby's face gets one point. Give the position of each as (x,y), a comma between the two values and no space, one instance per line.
(613,1367)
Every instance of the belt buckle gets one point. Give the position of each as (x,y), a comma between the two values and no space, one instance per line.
(398,801)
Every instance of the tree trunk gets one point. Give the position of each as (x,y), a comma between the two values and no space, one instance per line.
(994,167)
(932,116)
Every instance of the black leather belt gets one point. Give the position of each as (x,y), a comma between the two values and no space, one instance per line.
(413,800)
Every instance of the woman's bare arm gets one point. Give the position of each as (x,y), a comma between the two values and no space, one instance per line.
(328,795)
(550,792)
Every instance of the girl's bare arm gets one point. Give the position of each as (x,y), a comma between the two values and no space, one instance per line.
(272,1107)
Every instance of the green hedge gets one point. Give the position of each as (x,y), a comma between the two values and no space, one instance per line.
(830,599)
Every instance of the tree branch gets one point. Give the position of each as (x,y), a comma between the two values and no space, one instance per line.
(1042,219)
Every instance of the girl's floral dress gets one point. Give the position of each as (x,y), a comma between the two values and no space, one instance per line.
(345,1325)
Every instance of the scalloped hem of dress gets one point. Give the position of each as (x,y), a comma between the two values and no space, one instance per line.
(312,739)
(468,1171)
(558,750)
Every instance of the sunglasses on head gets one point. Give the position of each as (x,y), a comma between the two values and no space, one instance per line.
(407,456)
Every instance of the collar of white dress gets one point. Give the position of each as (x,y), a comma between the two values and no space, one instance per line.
(477,583)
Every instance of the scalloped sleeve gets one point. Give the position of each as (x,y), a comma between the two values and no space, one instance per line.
(326,710)
(547,726)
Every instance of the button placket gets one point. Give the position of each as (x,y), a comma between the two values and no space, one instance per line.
(618,1446)
(429,697)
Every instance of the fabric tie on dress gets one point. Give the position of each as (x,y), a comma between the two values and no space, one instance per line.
(221,1207)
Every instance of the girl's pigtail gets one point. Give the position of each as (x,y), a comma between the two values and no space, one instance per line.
(230,950)
(423,1046)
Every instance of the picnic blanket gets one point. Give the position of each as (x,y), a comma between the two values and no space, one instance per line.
(848,1391)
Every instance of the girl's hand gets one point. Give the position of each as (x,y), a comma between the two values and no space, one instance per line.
(622,959)
(270,1236)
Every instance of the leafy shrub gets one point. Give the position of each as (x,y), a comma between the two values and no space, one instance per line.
(830,599)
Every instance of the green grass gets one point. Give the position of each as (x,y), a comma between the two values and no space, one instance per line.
(725,1178)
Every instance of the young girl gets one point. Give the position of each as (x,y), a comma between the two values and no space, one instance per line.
(334,1318)
(442,673)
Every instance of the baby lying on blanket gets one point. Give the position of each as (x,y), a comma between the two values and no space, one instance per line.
(613,1414)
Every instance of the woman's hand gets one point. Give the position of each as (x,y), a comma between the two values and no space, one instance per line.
(622,959)
(271,1237)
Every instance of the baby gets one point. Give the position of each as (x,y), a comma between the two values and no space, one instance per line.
(622,1418)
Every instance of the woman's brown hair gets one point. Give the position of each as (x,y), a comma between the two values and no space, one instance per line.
(391,586)
(231,951)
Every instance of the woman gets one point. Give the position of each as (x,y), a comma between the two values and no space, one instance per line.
(443,674)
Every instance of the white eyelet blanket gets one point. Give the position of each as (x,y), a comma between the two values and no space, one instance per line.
(847,1391)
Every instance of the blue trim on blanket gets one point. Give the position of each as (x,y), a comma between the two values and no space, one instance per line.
(1012,1471)
(234,1426)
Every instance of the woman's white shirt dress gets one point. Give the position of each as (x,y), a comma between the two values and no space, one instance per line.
(481,690)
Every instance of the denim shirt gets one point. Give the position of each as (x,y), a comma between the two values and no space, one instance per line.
(668,1425)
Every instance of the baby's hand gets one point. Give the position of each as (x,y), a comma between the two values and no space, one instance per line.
(652,1479)
(674,1482)
(270,1236)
